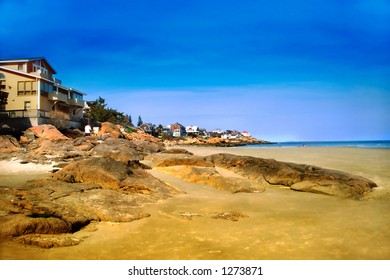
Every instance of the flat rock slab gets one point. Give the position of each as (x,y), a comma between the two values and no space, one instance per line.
(299,177)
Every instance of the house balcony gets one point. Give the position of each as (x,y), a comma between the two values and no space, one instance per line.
(76,102)
(43,75)
(58,96)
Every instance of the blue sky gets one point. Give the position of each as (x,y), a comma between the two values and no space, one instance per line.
(283,70)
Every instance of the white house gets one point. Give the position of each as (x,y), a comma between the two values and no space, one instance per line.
(192,129)
(246,134)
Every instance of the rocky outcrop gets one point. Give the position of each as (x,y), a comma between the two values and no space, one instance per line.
(177,151)
(9,144)
(145,142)
(117,149)
(298,177)
(47,131)
(109,130)
(214,141)
(211,177)
(167,159)
(199,170)
(104,172)
(94,189)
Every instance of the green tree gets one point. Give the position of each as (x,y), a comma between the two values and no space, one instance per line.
(99,113)
(140,122)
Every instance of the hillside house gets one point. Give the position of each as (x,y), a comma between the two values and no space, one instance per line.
(178,130)
(30,95)
(192,130)
(246,134)
(148,128)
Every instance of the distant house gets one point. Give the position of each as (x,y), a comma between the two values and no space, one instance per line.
(30,95)
(148,128)
(203,132)
(246,134)
(234,134)
(178,130)
(167,130)
(192,130)
(217,131)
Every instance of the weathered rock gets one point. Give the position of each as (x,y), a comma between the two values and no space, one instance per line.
(107,205)
(139,134)
(45,149)
(108,129)
(9,144)
(52,206)
(177,151)
(73,133)
(198,170)
(144,142)
(166,159)
(47,131)
(104,172)
(148,147)
(17,225)
(209,176)
(300,177)
(116,149)
(48,240)
(144,183)
(230,216)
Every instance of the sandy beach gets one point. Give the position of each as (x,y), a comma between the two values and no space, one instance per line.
(277,224)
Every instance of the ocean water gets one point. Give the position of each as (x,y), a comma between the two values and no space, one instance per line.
(380,144)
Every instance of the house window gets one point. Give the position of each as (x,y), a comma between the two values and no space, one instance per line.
(20,67)
(27,105)
(46,87)
(2,84)
(26,88)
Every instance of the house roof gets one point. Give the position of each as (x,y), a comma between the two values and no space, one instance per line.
(31,59)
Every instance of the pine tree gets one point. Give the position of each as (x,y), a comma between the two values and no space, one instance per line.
(140,122)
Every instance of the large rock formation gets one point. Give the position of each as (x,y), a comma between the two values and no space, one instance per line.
(299,177)
(199,170)
(47,131)
(95,189)
(257,173)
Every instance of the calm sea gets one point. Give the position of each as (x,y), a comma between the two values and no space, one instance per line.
(381,144)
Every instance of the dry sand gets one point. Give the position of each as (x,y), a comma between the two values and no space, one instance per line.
(14,171)
(280,223)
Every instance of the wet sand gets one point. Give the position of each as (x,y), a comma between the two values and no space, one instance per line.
(280,223)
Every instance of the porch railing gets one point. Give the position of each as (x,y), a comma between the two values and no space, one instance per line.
(30,113)
(34,113)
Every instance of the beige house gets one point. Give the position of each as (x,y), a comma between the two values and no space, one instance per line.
(30,95)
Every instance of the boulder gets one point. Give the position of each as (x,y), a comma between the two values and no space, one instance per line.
(9,144)
(47,131)
(108,129)
(148,147)
(104,172)
(210,176)
(168,159)
(300,177)
(117,149)
(73,133)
